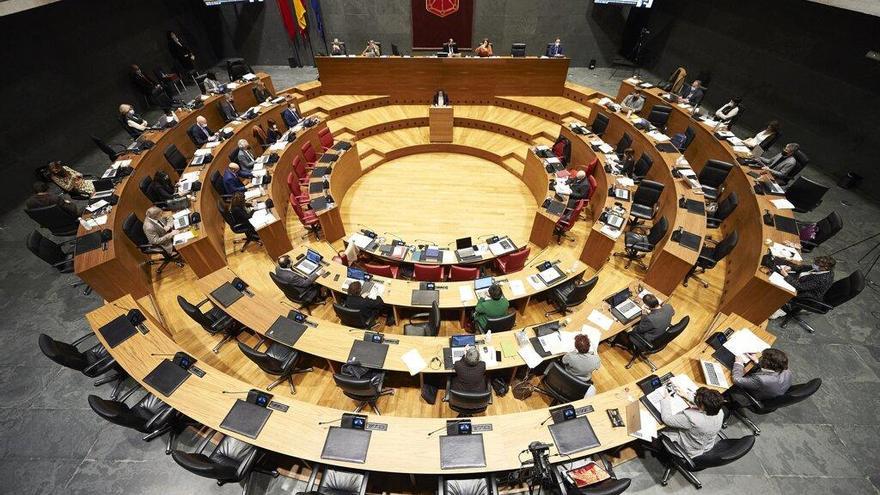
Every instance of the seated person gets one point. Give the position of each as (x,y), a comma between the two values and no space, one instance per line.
(168,119)
(69,180)
(273,133)
(42,197)
(770,379)
(634,101)
(494,307)
(368,307)
(581,362)
(555,49)
(485,49)
(451,47)
(695,429)
(238,209)
(309,290)
(771,130)
(372,50)
(159,231)
(811,280)
(692,94)
(211,84)
(261,93)
(628,162)
(654,322)
(200,133)
(134,124)
(290,115)
(337,48)
(161,187)
(470,372)
(781,165)
(441,99)
(580,188)
(243,155)
(148,87)
(232,179)
(227,108)
(729,111)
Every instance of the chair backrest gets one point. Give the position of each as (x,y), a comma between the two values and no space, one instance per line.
(308,152)
(379,269)
(593,185)
(134,230)
(591,166)
(266,362)
(117,412)
(350,317)
(195,313)
(845,289)
(564,383)
(723,248)
(56,219)
(600,123)
(726,207)
(714,173)
(659,115)
(459,273)
(105,148)
(291,181)
(433,320)
(428,273)
(325,137)
(175,158)
(233,155)
(338,481)
(769,141)
(648,193)
(291,292)
(827,227)
(580,291)
(801,161)
(217,183)
(624,143)
(469,402)
(471,484)
(516,260)
(502,323)
(237,458)
(518,50)
(144,186)
(299,167)
(669,335)
(689,135)
(794,394)
(566,222)
(356,387)
(62,353)
(48,251)
(226,214)
(643,165)
(658,231)
(725,451)
(805,194)
(260,135)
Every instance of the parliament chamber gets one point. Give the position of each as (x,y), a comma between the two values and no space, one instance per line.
(332,254)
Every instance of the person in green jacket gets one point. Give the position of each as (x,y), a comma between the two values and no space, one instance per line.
(495,307)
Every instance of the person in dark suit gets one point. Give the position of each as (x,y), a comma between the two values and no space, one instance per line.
(580,188)
(273,133)
(232,179)
(811,280)
(148,87)
(199,133)
(337,48)
(180,51)
(654,322)
(227,108)
(441,99)
(450,47)
(307,286)
(243,156)
(290,116)
(161,187)
(238,209)
(470,372)
(261,93)
(42,197)
(628,162)
(368,307)
(555,49)
(692,94)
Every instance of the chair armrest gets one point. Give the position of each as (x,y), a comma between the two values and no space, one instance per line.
(676,450)
(202,302)
(493,484)
(247,464)
(363,488)
(609,468)
(221,323)
(811,305)
(205,441)
(83,338)
(310,485)
(101,366)
(448,385)
(418,316)
(160,419)
(491,391)
(633,337)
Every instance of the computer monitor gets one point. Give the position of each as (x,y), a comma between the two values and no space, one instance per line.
(355,273)
(313,256)
(483,283)
(463,243)
(619,297)
(462,340)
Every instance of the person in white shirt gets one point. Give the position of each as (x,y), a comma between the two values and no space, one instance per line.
(695,429)
(634,101)
(758,139)
(157,230)
(729,111)
(211,84)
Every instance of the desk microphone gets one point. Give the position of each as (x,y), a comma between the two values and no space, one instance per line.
(430,243)
(545,421)
(485,236)
(328,422)
(161,354)
(447,425)
(236,392)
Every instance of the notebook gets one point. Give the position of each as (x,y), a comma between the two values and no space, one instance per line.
(246,419)
(462,451)
(368,354)
(346,444)
(573,435)
(785,224)
(117,331)
(166,377)
(226,294)
(286,331)
(425,297)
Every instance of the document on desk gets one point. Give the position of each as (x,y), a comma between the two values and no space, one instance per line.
(742,150)
(90,223)
(594,334)
(648,426)
(466,293)
(255,192)
(529,355)
(596,142)
(360,240)
(121,163)
(278,146)
(414,361)
(535,282)
(745,342)
(779,281)
(606,148)
(552,343)
(782,204)
(517,288)
(625,182)
(190,176)
(261,218)
(600,320)
(656,397)
(610,231)
(658,136)
(487,355)
(782,251)
(97,205)
(213,144)
(202,151)
(183,237)
(685,386)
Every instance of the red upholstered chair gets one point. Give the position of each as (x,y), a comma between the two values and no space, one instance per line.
(567,220)
(512,262)
(296,193)
(591,166)
(341,259)
(291,179)
(461,273)
(429,273)
(309,155)
(390,271)
(307,218)
(299,168)
(326,138)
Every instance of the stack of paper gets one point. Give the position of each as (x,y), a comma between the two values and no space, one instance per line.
(261,218)
(529,355)
(600,320)
(278,146)
(254,192)
(606,148)
(202,151)
(552,343)
(625,182)
(535,282)
(183,237)
(414,361)
(743,150)
(779,281)
(658,136)
(466,293)
(782,204)
(783,251)
(121,163)
(517,288)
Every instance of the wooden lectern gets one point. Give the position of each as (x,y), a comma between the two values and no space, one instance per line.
(440,122)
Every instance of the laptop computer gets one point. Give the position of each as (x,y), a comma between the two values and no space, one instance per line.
(463,243)
(356,275)
(309,263)
(181,219)
(550,275)
(713,374)
(626,311)
(102,185)
(459,343)
(614,221)
(481,286)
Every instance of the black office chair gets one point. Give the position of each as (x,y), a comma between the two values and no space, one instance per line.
(467,403)
(217,183)
(659,116)
(641,348)
(689,135)
(144,186)
(428,328)
(710,256)
(600,123)
(305,297)
(611,486)
(337,481)
(740,400)
(724,452)
(54,254)
(214,321)
(645,200)
(518,50)
(233,156)
(712,178)
(92,362)
(250,233)
(624,143)
(467,484)
(175,158)
(355,317)
(805,194)
(237,68)
(562,386)
(770,141)
(55,219)
(112,150)
(278,360)
(500,324)
(149,415)
(840,292)
(825,229)
(365,391)
(570,295)
(642,167)
(636,246)
(724,209)
(801,160)
(134,230)
(232,461)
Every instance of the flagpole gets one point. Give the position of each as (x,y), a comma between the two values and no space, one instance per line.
(319,15)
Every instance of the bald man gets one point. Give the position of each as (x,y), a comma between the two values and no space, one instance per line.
(580,188)
(232,179)
(159,231)
(199,132)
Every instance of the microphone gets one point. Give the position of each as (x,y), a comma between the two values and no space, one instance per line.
(485,236)
(328,422)
(425,240)
(447,425)
(161,354)
(236,392)
(394,235)
(542,424)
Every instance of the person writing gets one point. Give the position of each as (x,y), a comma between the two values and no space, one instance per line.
(470,372)
(581,362)
(69,180)
(729,111)
(369,308)
(441,99)
(696,428)
(42,198)
(769,380)
(781,165)
(634,102)
(484,49)
(159,231)
(555,49)
(494,307)
(232,179)
(811,280)
(134,124)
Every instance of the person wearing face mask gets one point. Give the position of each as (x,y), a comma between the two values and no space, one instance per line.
(243,156)
(200,133)
(728,112)
(692,94)
(781,165)
(273,133)
(134,124)
(227,108)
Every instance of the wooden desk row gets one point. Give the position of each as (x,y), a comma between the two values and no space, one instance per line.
(120,268)
(406,446)
(747,290)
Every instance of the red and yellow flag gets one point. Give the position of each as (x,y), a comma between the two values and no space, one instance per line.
(299,8)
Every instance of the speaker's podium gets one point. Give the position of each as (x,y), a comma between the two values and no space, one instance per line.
(440,124)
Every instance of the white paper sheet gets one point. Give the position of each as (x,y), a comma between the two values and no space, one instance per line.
(183,237)
(517,288)
(782,204)
(466,293)
(414,361)
(528,354)
(782,251)
(535,282)
(778,280)
(600,320)
(745,342)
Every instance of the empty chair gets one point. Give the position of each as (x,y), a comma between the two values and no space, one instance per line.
(355,317)
(642,167)
(92,362)
(641,348)
(299,169)
(570,295)
(461,273)
(365,391)
(57,220)
(305,297)
(134,230)
(150,193)
(512,262)
(820,231)
(325,137)
(805,194)
(309,155)
(467,403)
(112,150)
(175,158)
(638,245)
(712,178)
(710,256)
(725,451)
(840,292)
(308,219)
(745,401)
(337,481)
(567,220)
(428,328)
(246,228)
(725,208)
(600,123)
(659,116)
(51,252)
(390,271)
(214,321)
(624,143)
(237,68)
(562,386)
(429,273)
(645,202)
(518,50)
(277,360)
(470,484)
(232,461)
(499,324)
(149,415)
